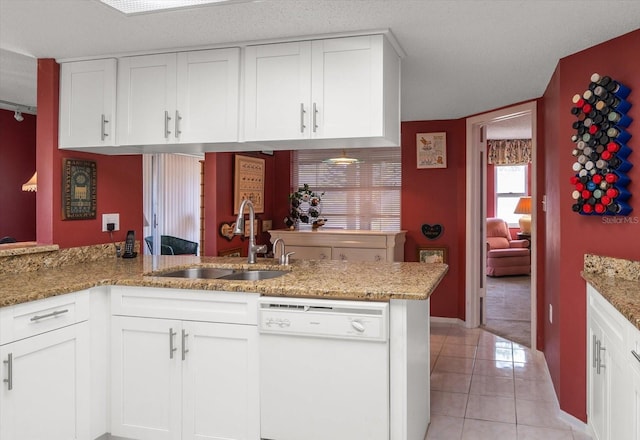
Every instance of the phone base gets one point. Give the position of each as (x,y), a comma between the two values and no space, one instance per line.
(130,255)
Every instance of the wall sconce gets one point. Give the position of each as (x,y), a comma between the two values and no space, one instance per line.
(32,184)
(524,207)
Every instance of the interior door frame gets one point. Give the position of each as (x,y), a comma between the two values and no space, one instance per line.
(475,206)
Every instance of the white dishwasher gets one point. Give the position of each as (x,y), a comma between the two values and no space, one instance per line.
(324,369)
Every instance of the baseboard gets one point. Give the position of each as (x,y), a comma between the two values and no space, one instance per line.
(440,320)
(108,436)
(575,423)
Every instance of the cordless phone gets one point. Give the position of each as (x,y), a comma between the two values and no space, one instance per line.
(128,245)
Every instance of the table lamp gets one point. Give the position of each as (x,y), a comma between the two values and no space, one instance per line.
(524,207)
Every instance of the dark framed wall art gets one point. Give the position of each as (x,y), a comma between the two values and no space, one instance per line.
(79,189)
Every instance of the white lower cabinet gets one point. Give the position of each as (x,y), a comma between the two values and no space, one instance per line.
(609,395)
(176,379)
(45,388)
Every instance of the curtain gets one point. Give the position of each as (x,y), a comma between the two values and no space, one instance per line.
(509,151)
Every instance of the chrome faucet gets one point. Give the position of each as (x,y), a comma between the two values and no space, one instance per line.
(239,229)
(284,255)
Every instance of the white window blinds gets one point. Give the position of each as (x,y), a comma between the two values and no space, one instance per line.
(365,195)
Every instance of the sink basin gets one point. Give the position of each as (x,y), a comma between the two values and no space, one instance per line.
(199,272)
(224,274)
(254,275)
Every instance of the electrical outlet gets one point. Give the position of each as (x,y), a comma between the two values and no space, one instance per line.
(550,314)
(110,218)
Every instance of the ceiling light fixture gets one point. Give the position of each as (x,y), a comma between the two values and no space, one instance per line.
(342,160)
(132,7)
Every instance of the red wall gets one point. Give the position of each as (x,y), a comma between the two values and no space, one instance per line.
(17,165)
(119,178)
(568,235)
(437,196)
(219,180)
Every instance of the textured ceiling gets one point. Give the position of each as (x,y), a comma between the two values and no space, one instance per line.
(463,57)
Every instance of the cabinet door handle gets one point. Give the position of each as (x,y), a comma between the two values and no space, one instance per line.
(9,379)
(103,132)
(167,118)
(595,351)
(49,315)
(171,347)
(600,349)
(185,350)
(302,112)
(635,355)
(178,119)
(315,114)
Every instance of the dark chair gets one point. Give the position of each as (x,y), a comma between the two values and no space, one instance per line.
(4,240)
(173,245)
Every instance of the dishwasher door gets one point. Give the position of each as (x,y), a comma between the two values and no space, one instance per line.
(324,370)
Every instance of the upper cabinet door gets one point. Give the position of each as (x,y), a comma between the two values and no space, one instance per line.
(147,99)
(347,87)
(207,98)
(277,91)
(87,103)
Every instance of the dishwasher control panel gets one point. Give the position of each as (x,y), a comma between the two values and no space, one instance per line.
(324,318)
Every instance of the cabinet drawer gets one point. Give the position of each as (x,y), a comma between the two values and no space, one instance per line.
(196,305)
(359,254)
(36,317)
(310,252)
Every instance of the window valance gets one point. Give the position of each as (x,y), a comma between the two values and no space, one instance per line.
(509,151)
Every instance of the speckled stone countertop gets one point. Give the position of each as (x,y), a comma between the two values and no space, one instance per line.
(25,247)
(319,279)
(618,281)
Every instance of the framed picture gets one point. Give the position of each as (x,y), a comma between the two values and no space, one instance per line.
(432,254)
(79,183)
(233,252)
(248,182)
(431,150)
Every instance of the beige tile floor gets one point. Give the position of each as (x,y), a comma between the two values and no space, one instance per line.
(486,387)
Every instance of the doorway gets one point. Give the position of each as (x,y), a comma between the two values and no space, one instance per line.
(476,212)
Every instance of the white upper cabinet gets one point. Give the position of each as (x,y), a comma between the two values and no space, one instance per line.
(146,99)
(87,103)
(277,91)
(322,90)
(207,101)
(188,97)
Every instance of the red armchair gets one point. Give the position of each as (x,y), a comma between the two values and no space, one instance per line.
(504,255)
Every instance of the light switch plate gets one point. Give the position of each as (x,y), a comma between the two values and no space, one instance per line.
(110,218)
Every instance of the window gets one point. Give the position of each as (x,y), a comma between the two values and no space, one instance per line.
(365,195)
(511,184)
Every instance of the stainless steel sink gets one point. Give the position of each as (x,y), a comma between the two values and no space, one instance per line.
(198,272)
(254,275)
(224,274)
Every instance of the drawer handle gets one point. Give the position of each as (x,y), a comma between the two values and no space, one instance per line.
(635,355)
(302,112)
(9,379)
(49,315)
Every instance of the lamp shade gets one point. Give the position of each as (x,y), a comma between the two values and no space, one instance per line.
(342,160)
(523,206)
(32,184)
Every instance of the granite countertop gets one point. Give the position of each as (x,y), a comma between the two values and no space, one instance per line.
(618,281)
(25,247)
(308,278)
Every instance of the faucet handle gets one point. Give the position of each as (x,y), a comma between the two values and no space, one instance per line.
(260,248)
(286,258)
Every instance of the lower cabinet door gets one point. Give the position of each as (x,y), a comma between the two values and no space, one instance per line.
(635,403)
(145,378)
(598,399)
(220,382)
(45,388)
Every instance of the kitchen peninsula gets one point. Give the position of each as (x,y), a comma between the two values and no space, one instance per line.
(107,309)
